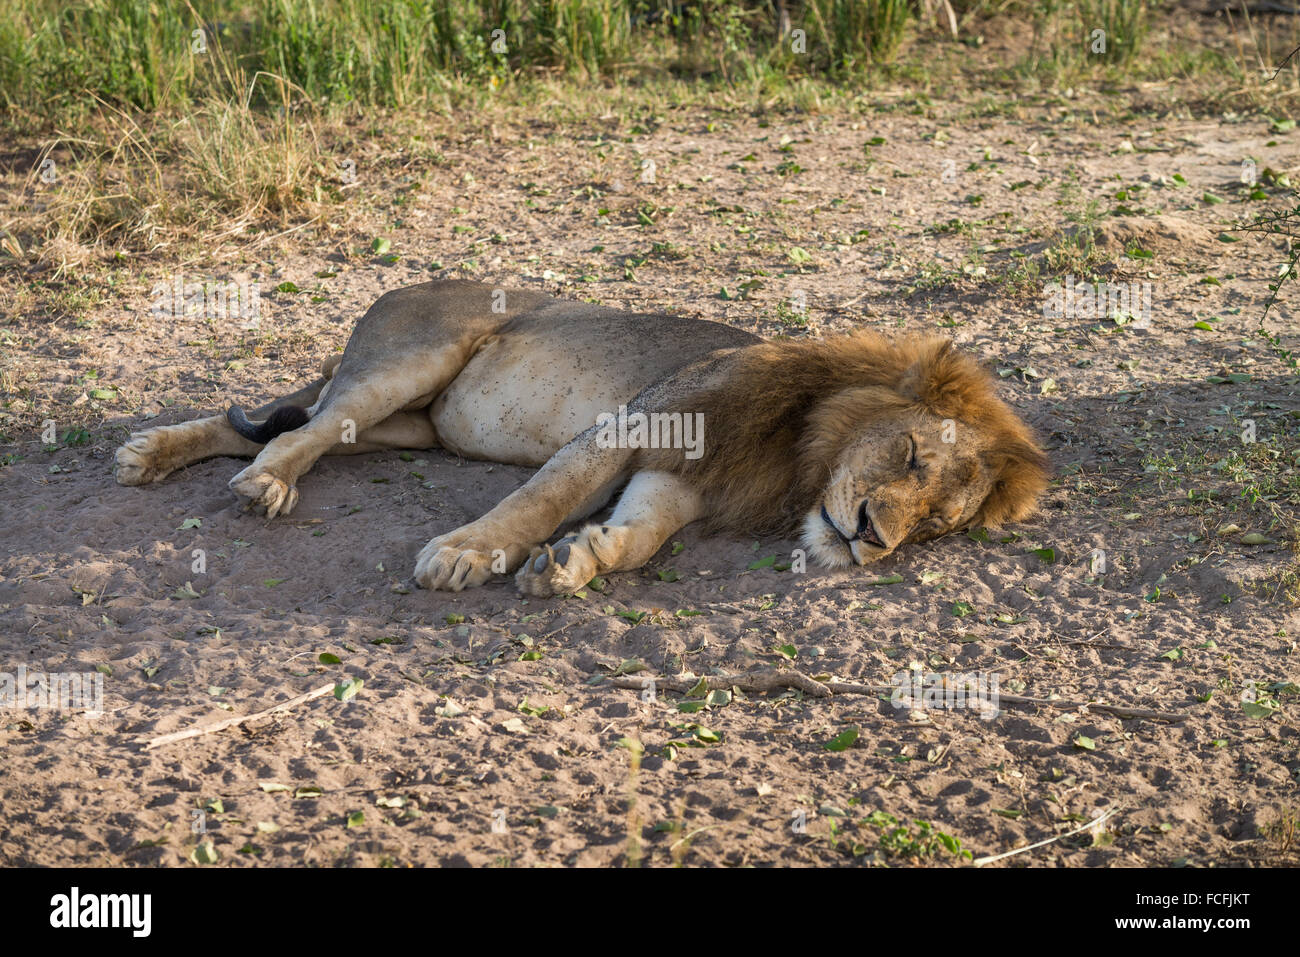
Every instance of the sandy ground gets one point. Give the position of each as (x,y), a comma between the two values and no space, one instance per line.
(483,733)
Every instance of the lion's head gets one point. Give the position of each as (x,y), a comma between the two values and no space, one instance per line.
(863,444)
(932,452)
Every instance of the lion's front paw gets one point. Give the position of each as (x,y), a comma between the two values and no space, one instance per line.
(560,569)
(260,489)
(140,460)
(450,566)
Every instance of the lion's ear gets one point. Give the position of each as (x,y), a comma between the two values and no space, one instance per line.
(940,377)
(1018,473)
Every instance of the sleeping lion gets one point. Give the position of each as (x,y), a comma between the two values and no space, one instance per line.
(859,444)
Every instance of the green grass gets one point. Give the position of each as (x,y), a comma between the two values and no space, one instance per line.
(58,58)
(236,115)
(150,56)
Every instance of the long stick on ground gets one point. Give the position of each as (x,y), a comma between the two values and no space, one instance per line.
(981,861)
(232,722)
(759,681)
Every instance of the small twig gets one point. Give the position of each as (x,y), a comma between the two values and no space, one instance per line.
(687,839)
(761,681)
(552,634)
(944,753)
(1080,641)
(1065,704)
(981,861)
(232,722)
(1289,55)
(754,682)
(1093,642)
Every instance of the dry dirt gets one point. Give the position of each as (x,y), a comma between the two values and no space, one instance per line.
(483,733)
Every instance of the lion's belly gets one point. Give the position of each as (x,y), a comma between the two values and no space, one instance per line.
(520,406)
(547,376)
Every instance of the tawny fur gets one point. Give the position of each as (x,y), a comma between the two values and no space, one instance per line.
(846,441)
(788,410)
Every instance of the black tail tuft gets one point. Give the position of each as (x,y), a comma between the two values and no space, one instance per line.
(284,419)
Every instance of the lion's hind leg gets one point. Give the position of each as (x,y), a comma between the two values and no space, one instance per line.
(152,455)
(654,505)
(354,410)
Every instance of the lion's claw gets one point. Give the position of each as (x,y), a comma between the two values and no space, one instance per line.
(260,489)
(560,569)
(138,460)
(460,560)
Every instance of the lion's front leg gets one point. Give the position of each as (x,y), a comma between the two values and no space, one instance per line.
(499,541)
(655,505)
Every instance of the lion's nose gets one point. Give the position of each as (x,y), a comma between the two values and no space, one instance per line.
(867,531)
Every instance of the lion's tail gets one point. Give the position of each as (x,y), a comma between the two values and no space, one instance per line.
(284,419)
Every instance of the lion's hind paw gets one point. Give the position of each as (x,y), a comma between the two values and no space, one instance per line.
(140,460)
(261,489)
